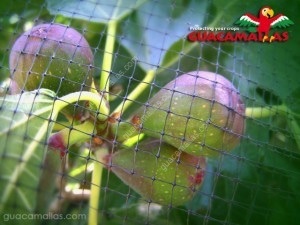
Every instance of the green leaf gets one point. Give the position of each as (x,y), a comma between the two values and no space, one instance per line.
(23,136)
(95,11)
(157,25)
(293,103)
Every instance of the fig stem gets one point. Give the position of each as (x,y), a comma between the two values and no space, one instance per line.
(123,131)
(108,56)
(296,130)
(69,136)
(79,133)
(96,186)
(133,140)
(66,100)
(93,88)
(263,112)
(59,126)
(140,88)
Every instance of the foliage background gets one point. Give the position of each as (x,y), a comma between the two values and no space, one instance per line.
(258,182)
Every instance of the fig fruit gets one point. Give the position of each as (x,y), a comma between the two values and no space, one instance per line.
(200,113)
(159,172)
(52,56)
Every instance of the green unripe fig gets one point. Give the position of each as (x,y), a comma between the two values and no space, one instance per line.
(52,56)
(159,172)
(200,113)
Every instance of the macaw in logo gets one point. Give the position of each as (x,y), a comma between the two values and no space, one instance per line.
(265,21)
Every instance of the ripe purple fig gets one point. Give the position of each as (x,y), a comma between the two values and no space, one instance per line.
(200,113)
(159,172)
(52,56)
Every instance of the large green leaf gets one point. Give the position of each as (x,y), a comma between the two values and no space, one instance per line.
(96,10)
(23,136)
(156,25)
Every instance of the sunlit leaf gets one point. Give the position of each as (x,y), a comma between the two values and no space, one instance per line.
(95,11)
(23,136)
(155,26)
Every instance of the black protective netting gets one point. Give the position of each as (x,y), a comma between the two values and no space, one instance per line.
(149,112)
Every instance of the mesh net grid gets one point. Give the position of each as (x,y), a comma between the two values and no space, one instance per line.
(110,115)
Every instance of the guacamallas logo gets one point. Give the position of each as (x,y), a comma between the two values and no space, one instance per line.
(255,29)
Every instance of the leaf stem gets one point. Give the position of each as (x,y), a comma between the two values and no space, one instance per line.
(296,130)
(96,99)
(263,112)
(108,56)
(96,186)
(69,136)
(123,131)
(136,92)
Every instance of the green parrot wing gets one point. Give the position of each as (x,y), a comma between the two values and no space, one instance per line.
(247,20)
(281,22)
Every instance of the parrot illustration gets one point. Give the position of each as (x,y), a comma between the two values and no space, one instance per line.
(265,21)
